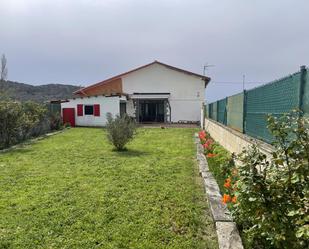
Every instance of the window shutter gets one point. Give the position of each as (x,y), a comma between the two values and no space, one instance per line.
(80,110)
(96,110)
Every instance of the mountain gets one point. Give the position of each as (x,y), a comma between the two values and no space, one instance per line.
(41,93)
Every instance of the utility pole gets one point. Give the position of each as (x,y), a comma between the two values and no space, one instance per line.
(243,81)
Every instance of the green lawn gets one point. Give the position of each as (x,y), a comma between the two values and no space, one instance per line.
(72,190)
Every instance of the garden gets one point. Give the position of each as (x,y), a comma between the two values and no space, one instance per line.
(267,197)
(74,190)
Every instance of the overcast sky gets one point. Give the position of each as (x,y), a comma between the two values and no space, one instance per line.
(85,41)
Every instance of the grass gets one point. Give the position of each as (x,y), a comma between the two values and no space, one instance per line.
(72,190)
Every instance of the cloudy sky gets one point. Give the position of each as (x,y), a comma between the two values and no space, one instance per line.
(85,41)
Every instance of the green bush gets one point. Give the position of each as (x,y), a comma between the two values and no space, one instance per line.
(55,121)
(272,196)
(20,121)
(11,122)
(34,117)
(120,130)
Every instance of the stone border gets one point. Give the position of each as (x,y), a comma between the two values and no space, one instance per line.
(228,236)
(30,141)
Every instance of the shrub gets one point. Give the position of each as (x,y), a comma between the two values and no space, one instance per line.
(55,121)
(272,197)
(11,122)
(20,121)
(120,130)
(34,117)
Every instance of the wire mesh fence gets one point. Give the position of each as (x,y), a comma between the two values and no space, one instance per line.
(247,112)
(221,117)
(214,112)
(235,111)
(305,103)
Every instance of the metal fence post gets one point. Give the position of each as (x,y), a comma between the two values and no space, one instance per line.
(217,111)
(244,115)
(303,72)
(225,112)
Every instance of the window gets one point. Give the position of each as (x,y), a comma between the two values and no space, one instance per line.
(88,109)
(123,109)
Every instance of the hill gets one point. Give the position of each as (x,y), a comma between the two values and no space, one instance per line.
(41,93)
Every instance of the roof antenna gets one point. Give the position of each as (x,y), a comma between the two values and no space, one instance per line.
(206,66)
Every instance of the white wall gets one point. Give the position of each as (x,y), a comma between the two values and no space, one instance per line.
(187,92)
(107,104)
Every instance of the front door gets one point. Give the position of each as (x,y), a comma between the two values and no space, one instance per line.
(68,116)
(152,111)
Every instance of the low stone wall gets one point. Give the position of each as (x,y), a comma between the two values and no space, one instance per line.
(233,140)
(228,236)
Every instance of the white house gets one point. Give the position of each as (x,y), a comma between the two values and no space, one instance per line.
(155,92)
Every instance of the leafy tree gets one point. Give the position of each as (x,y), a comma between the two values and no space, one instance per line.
(120,130)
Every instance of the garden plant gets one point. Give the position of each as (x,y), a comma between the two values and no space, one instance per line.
(120,130)
(268,196)
(22,120)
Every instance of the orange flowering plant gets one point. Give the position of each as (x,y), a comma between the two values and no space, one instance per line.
(210,155)
(230,189)
(223,167)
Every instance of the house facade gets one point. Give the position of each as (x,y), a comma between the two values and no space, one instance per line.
(155,92)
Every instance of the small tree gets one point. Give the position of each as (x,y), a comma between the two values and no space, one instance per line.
(120,130)
(3,70)
(3,75)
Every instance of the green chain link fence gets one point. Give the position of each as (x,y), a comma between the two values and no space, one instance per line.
(214,113)
(222,111)
(247,112)
(306,96)
(235,111)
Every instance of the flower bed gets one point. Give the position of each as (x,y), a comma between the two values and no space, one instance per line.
(268,198)
(221,163)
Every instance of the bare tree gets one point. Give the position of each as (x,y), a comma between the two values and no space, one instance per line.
(4,70)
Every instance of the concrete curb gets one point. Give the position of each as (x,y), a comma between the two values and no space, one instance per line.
(30,141)
(228,236)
